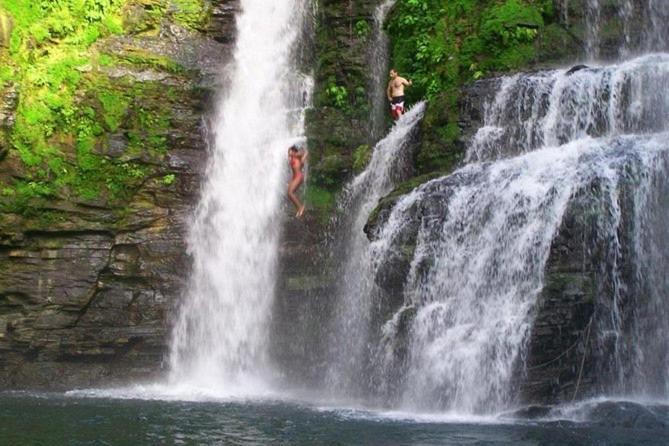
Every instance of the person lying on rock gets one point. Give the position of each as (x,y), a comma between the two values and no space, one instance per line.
(297,158)
(395,93)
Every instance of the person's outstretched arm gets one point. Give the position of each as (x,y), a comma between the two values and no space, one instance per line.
(305,155)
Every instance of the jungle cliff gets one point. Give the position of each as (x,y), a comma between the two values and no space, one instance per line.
(101,154)
(102,150)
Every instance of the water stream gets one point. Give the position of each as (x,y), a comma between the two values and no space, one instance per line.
(379,49)
(474,245)
(219,341)
(349,331)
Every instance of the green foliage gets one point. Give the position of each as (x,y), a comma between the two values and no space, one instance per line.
(362,29)
(67,109)
(440,45)
(169,179)
(338,95)
(115,107)
(190,13)
(361,156)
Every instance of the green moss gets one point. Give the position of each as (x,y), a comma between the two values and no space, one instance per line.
(115,108)
(68,110)
(361,156)
(140,58)
(169,179)
(330,170)
(190,13)
(441,46)
(321,200)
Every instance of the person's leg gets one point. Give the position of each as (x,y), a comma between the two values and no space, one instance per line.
(292,188)
(395,112)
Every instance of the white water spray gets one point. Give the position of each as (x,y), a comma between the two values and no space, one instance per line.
(350,325)
(220,338)
(379,69)
(478,267)
(552,108)
(479,239)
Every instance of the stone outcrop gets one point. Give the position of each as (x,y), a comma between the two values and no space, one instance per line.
(88,286)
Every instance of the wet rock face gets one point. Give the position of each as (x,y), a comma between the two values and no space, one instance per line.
(87,289)
(620,26)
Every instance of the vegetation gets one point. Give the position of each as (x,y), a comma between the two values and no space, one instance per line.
(70,111)
(442,45)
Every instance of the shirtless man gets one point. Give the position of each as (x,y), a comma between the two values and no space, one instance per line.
(395,93)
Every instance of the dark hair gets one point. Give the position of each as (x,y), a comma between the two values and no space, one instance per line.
(294,148)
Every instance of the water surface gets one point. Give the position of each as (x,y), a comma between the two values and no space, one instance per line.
(54,420)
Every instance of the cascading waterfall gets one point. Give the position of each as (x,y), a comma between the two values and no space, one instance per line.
(379,69)
(220,337)
(647,373)
(479,239)
(552,108)
(350,328)
(643,27)
(592,20)
(478,265)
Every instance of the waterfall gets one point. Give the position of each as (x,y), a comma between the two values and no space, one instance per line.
(349,329)
(220,336)
(555,107)
(472,247)
(642,27)
(379,69)
(648,364)
(592,29)
(481,246)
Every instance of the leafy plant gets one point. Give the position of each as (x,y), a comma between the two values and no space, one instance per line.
(67,109)
(362,28)
(338,95)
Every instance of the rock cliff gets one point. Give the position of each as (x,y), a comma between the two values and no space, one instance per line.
(88,283)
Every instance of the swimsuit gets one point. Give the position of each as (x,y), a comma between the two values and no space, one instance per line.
(397,104)
(397,100)
(296,165)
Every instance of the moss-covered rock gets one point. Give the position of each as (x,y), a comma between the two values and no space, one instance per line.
(6,26)
(338,124)
(101,153)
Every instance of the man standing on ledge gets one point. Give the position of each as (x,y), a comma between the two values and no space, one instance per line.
(395,94)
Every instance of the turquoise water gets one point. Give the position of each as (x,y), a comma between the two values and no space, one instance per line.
(54,420)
